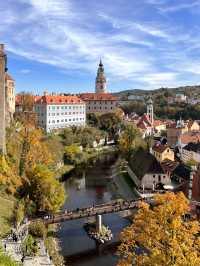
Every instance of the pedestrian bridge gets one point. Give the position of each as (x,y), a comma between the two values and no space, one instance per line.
(111,207)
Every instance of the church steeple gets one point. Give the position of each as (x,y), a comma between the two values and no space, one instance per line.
(100,79)
(150,112)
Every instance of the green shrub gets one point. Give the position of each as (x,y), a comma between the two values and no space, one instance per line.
(29,246)
(37,229)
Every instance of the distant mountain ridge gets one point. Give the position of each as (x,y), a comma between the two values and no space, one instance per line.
(188,90)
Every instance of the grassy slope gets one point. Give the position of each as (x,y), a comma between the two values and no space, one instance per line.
(6,211)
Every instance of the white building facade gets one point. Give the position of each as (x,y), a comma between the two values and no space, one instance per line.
(57,112)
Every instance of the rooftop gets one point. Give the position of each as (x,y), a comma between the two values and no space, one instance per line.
(58,99)
(143,162)
(98,97)
(160,148)
(191,136)
(193,147)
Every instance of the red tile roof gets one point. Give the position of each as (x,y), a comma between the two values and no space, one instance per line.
(56,99)
(98,97)
(192,136)
(157,123)
(144,122)
(160,147)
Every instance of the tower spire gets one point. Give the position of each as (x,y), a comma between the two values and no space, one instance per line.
(100,86)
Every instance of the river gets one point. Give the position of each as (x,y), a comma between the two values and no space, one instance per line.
(94,186)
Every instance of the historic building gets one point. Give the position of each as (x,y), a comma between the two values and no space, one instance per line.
(3,70)
(100,85)
(57,112)
(147,124)
(148,172)
(100,101)
(162,152)
(191,152)
(176,130)
(10,98)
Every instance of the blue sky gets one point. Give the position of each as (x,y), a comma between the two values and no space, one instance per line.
(144,44)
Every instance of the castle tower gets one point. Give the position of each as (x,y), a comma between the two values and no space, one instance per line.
(150,111)
(100,80)
(2,100)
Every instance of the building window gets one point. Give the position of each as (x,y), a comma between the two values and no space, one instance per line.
(159,178)
(57,107)
(57,121)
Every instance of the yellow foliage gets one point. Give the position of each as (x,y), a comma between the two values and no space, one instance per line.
(8,177)
(160,236)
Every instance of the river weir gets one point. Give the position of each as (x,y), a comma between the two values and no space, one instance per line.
(98,184)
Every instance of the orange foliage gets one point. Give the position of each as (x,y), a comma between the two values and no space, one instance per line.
(160,236)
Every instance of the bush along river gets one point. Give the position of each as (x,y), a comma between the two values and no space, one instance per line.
(99,183)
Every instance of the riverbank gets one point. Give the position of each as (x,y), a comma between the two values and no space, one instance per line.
(53,247)
(88,158)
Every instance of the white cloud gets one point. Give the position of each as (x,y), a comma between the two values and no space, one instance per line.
(25,71)
(61,33)
(178,7)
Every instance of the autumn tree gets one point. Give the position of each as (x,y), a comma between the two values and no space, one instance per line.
(26,101)
(73,154)
(130,140)
(111,123)
(43,189)
(161,235)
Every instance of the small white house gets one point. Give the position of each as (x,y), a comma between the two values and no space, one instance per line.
(148,170)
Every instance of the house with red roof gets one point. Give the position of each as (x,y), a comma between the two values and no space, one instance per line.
(99,102)
(58,112)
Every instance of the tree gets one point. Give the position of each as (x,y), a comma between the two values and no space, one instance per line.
(160,235)
(68,136)
(6,260)
(43,189)
(130,140)
(111,123)
(73,154)
(29,246)
(26,101)
(38,229)
(34,149)
(19,213)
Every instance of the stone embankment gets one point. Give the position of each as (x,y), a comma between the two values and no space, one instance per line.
(12,246)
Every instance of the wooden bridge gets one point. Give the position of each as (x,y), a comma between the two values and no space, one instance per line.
(111,207)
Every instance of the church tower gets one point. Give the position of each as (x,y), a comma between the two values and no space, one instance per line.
(150,113)
(100,79)
(2,100)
